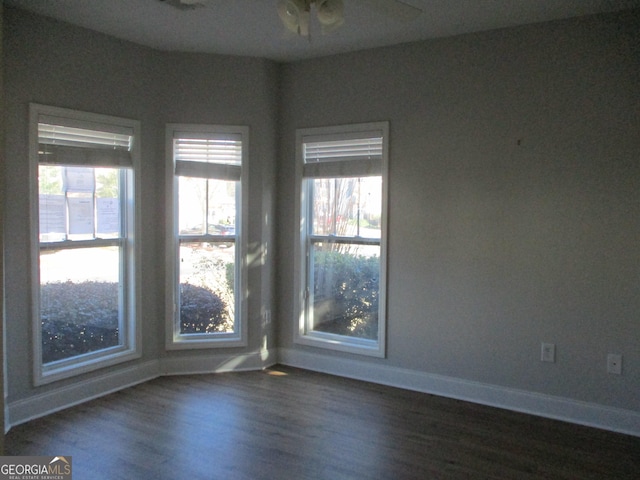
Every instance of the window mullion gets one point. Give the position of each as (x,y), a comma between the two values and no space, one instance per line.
(71,244)
(343,240)
(206,238)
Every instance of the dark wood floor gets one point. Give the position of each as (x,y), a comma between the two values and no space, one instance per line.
(286,423)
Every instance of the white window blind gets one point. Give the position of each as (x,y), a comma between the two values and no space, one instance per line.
(222,149)
(342,155)
(345,148)
(81,137)
(208,156)
(60,144)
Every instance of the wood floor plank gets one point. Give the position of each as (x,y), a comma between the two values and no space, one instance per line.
(287,423)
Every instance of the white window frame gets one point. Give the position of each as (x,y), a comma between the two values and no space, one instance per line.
(303,334)
(130,333)
(239,338)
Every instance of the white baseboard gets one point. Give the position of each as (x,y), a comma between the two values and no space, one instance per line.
(216,363)
(583,413)
(558,408)
(21,411)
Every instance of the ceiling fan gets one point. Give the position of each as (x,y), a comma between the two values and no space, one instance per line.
(295,14)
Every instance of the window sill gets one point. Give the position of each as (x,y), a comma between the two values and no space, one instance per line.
(82,364)
(358,346)
(198,341)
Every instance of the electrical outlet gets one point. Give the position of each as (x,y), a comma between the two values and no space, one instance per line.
(614,363)
(548,352)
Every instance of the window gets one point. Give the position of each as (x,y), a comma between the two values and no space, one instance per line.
(341,257)
(207,168)
(83,243)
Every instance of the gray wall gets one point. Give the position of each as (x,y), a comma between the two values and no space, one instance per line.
(57,64)
(514,200)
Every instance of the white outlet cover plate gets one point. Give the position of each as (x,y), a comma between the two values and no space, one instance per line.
(614,363)
(548,352)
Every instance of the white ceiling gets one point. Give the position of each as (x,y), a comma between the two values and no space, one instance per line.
(253,28)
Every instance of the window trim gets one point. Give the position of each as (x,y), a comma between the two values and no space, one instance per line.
(174,340)
(302,335)
(131,346)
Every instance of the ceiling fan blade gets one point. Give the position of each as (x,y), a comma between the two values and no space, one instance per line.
(295,16)
(185,4)
(395,9)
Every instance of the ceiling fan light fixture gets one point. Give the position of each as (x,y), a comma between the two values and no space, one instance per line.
(330,14)
(295,15)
